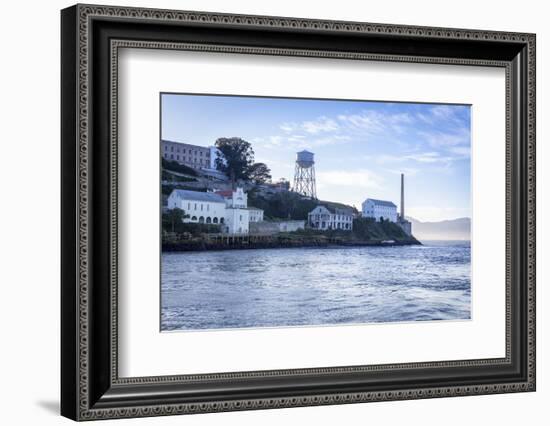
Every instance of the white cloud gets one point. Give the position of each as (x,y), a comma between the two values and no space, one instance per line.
(442,114)
(443,111)
(421,157)
(408,171)
(287,127)
(320,125)
(438,139)
(428,157)
(367,122)
(376,122)
(426,118)
(269,141)
(463,151)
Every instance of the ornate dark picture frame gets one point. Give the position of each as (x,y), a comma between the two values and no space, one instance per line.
(91,37)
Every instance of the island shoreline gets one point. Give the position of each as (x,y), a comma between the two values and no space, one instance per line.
(203,246)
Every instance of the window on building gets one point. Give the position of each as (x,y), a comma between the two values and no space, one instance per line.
(171,156)
(172,148)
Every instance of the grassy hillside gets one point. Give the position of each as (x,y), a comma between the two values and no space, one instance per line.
(287,205)
(364,229)
(369,229)
(174,166)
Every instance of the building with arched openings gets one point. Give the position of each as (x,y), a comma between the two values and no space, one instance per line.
(225,208)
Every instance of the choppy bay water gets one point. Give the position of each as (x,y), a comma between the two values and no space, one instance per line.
(315,286)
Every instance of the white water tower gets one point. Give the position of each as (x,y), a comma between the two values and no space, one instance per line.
(304,174)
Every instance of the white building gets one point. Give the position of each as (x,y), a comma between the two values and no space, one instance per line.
(201,207)
(226,208)
(255,214)
(198,157)
(378,209)
(189,155)
(327,217)
(236,211)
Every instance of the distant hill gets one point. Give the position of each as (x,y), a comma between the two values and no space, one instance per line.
(455,229)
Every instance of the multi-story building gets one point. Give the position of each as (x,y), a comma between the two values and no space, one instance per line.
(226,208)
(329,217)
(236,211)
(199,207)
(255,214)
(189,155)
(380,209)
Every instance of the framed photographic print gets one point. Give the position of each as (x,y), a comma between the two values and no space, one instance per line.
(263,212)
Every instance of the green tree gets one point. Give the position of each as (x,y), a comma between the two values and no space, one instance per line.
(259,173)
(237,161)
(238,157)
(174,217)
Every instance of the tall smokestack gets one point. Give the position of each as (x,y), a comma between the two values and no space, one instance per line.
(402,196)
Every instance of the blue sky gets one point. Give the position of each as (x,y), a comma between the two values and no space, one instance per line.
(360,147)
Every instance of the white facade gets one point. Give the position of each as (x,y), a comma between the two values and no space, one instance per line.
(228,208)
(256,215)
(236,220)
(236,212)
(198,157)
(201,207)
(380,209)
(324,218)
(235,199)
(189,155)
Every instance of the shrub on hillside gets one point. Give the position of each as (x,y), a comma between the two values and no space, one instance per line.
(177,167)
